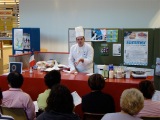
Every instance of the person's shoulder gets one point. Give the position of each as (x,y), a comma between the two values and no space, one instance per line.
(25,96)
(41,116)
(75,45)
(4,92)
(44,94)
(86,96)
(108,95)
(41,95)
(88,46)
(108,116)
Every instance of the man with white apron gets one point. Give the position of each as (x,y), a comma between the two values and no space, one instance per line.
(81,54)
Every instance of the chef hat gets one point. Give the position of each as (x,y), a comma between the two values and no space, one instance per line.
(79,31)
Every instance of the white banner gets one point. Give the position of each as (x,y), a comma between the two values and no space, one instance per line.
(136,48)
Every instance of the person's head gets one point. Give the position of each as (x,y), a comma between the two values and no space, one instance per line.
(79,35)
(15,80)
(51,78)
(131,101)
(1,96)
(147,88)
(60,100)
(96,82)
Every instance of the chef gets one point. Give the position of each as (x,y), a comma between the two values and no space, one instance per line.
(81,54)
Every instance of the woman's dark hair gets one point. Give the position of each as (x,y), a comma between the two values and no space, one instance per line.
(15,79)
(60,100)
(96,82)
(51,78)
(1,96)
(147,88)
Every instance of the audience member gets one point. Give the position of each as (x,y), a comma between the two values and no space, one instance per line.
(59,105)
(96,101)
(4,117)
(15,97)
(51,78)
(151,108)
(131,102)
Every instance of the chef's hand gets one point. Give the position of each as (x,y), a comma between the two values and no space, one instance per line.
(73,72)
(80,60)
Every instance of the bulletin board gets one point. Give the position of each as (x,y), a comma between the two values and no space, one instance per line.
(108,58)
(119,60)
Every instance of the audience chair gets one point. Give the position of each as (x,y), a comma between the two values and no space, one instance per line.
(150,118)
(16,113)
(92,116)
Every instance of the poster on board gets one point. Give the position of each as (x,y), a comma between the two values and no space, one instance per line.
(98,34)
(136,48)
(18,39)
(112,35)
(116,49)
(26,41)
(104,50)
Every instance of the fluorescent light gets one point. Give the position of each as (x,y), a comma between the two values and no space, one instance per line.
(9,1)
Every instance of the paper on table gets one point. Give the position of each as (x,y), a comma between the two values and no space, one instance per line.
(89,74)
(76,98)
(5,73)
(36,106)
(69,71)
(50,69)
(61,65)
(66,71)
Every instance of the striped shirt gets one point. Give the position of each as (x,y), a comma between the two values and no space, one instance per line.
(151,108)
(16,98)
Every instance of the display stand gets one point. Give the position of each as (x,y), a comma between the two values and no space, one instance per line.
(25,40)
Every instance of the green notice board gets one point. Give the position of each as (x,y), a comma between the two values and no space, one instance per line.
(108,58)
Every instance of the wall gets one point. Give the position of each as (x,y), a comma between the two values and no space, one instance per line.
(54,17)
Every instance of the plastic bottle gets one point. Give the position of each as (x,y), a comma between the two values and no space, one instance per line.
(111,74)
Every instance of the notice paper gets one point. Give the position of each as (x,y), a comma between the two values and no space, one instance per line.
(36,106)
(76,98)
(156,96)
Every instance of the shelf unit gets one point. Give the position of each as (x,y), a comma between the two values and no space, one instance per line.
(5,51)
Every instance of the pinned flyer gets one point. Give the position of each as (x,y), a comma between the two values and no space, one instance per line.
(76,98)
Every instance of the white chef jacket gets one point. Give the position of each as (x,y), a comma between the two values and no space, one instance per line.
(86,52)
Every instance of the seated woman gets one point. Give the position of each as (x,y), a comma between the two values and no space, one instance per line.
(131,102)
(15,97)
(96,101)
(4,117)
(59,105)
(51,78)
(151,108)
